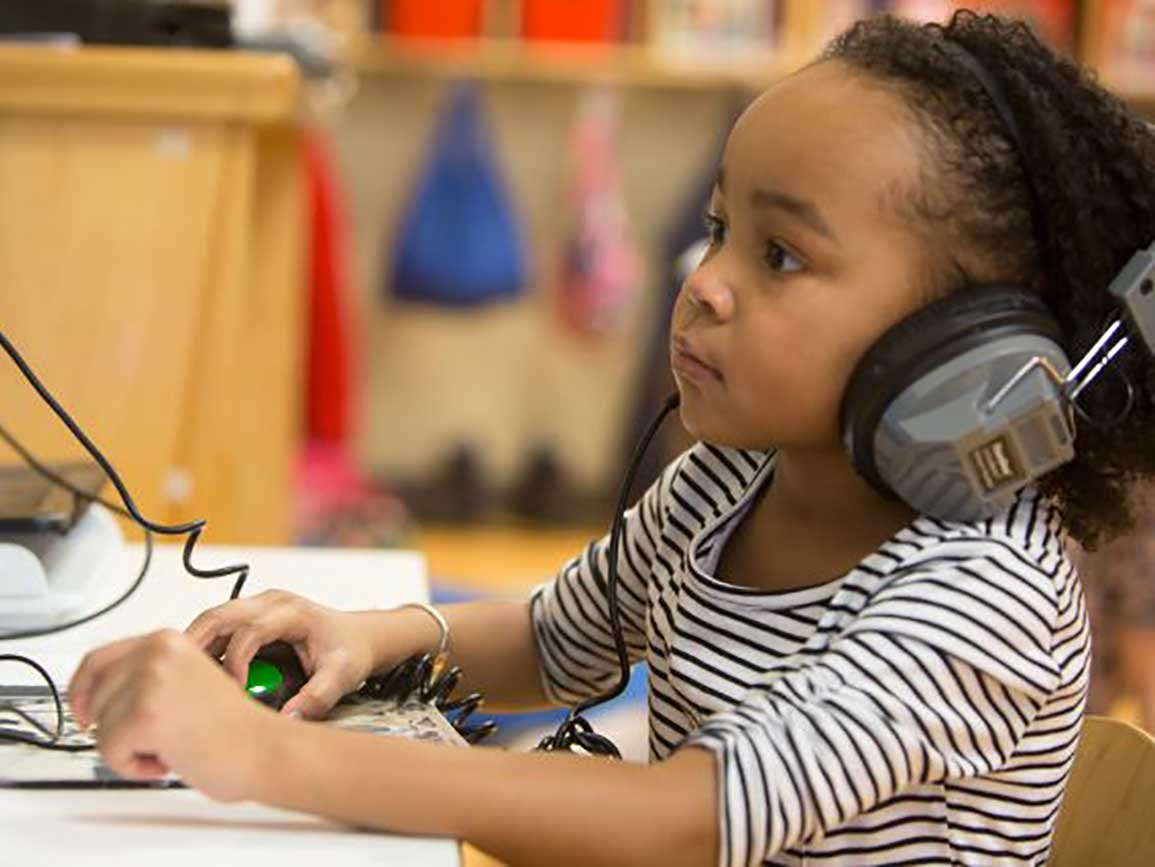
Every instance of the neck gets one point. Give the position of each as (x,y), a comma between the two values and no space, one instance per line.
(819,488)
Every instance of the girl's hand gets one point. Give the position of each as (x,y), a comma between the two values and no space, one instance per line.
(159,704)
(334,646)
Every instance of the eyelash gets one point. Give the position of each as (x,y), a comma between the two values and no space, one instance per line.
(716,227)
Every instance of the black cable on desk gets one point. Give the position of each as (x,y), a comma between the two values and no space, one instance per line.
(52,741)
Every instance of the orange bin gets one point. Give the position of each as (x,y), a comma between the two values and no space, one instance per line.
(572,20)
(434,19)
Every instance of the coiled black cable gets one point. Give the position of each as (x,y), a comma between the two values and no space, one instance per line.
(192,529)
(415,678)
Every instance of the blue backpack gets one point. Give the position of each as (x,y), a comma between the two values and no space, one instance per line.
(459,243)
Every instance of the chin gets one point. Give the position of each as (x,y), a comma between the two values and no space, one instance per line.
(709,423)
(695,417)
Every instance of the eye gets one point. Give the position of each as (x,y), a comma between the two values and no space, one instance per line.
(781,259)
(716,227)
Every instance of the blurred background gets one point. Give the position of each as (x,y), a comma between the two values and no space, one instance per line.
(396,272)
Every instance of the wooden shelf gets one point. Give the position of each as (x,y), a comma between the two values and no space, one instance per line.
(585,64)
(563,63)
(801,35)
(151,213)
(146,82)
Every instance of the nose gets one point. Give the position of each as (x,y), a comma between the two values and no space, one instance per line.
(708,293)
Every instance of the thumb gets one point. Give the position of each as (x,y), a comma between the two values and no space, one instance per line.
(317,697)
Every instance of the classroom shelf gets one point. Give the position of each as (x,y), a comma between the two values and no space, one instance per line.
(584,64)
(562,63)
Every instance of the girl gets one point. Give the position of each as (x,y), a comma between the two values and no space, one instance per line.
(834,678)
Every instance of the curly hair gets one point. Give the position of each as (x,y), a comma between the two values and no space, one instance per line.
(1092,164)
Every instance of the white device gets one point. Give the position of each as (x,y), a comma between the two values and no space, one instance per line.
(43,574)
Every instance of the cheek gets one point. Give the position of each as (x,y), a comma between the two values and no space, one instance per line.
(792,385)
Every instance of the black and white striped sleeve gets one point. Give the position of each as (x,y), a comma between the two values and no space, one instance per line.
(571,620)
(936,679)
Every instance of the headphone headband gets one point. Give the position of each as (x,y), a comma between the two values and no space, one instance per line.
(998,97)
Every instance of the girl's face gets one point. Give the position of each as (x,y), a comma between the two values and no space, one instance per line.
(810,262)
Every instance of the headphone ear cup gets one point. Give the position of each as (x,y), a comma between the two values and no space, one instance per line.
(922,342)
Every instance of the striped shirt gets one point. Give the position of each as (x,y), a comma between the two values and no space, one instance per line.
(923,708)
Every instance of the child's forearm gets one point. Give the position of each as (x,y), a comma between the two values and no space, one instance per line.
(491,641)
(551,809)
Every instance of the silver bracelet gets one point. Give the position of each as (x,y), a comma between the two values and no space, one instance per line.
(442,656)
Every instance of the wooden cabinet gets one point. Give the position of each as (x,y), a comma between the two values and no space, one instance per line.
(151,272)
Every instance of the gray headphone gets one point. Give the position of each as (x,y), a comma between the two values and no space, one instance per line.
(963,403)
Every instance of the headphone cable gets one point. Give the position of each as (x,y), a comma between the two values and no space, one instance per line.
(575,730)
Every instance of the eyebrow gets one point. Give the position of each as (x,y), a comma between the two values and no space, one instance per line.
(800,209)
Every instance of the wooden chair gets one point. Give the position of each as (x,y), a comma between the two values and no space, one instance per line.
(472,857)
(1108,815)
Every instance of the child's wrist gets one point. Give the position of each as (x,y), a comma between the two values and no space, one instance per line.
(269,754)
(440,653)
(397,634)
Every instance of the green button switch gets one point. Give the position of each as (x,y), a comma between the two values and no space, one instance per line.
(263,678)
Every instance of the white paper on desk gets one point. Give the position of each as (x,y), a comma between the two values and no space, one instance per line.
(414,720)
(22,763)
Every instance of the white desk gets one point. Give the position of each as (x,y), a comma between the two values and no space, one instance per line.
(181,827)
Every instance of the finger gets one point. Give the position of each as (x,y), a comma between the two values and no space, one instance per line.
(116,685)
(148,767)
(222,620)
(91,669)
(124,739)
(319,694)
(216,647)
(243,646)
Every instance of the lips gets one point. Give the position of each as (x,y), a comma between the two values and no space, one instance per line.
(688,361)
